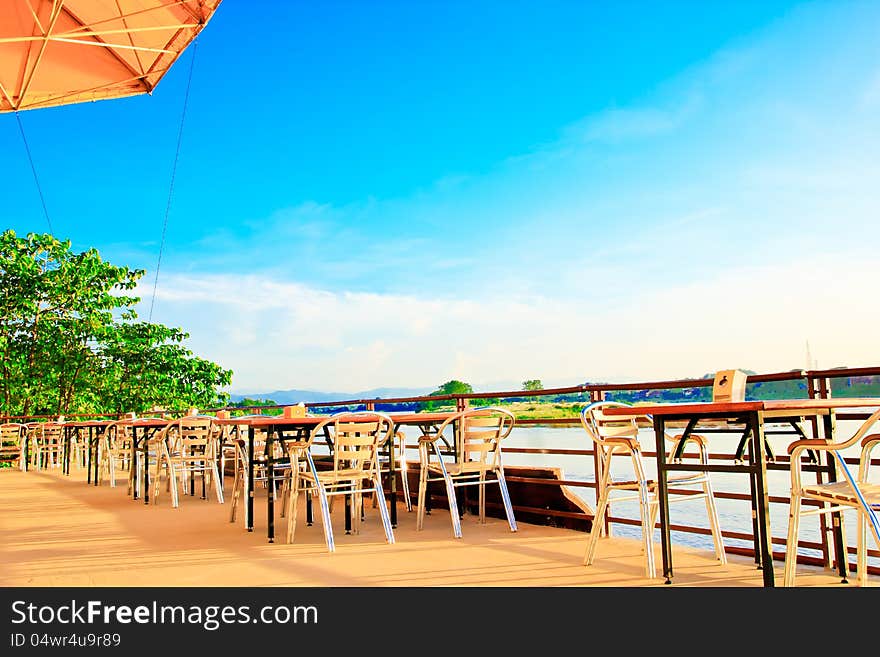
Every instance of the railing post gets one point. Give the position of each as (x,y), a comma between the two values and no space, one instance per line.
(820,393)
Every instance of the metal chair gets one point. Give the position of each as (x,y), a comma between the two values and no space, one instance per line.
(188,447)
(13,437)
(614,435)
(477,461)
(851,493)
(357,439)
(47,444)
(115,453)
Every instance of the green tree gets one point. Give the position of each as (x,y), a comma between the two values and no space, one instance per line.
(248,402)
(532,384)
(453,387)
(70,342)
(145,365)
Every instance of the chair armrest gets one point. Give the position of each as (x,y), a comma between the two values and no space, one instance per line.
(873,439)
(811,443)
(429,437)
(696,437)
(629,443)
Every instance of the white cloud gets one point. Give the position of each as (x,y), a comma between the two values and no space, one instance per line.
(278,335)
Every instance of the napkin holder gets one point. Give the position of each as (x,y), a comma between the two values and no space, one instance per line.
(729,386)
(298,410)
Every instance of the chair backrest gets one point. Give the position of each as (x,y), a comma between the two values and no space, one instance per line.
(192,434)
(601,427)
(52,433)
(118,435)
(357,438)
(12,432)
(481,431)
(11,435)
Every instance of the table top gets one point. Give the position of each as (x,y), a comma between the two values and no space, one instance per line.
(88,423)
(314,420)
(768,406)
(145,421)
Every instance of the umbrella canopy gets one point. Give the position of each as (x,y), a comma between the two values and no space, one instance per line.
(55,52)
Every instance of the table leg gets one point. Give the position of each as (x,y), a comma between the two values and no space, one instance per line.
(146,468)
(65,454)
(270,486)
(136,476)
(745,443)
(249,506)
(758,458)
(392,471)
(93,436)
(662,497)
(89,458)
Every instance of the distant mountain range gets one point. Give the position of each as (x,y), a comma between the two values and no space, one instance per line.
(305,396)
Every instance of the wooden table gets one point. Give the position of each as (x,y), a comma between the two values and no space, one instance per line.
(750,417)
(95,429)
(147,426)
(274,425)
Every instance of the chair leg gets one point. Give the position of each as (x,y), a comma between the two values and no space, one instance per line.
(216,477)
(383,509)
(423,485)
(862,550)
(156,478)
(453,505)
(357,507)
(236,491)
(596,529)
(285,492)
(714,523)
(794,515)
(647,515)
(325,515)
(505,497)
(481,499)
(404,476)
(292,508)
(173,481)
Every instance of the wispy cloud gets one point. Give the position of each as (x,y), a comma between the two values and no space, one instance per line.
(277,334)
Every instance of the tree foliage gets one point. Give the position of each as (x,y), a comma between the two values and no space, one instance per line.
(453,387)
(70,340)
(533,384)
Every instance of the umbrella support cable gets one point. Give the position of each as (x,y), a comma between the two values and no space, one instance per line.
(34,171)
(173,174)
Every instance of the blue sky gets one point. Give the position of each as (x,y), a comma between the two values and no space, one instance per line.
(398,194)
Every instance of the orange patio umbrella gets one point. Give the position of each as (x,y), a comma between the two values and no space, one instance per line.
(56,52)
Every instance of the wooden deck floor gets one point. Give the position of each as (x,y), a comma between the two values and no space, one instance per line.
(59,531)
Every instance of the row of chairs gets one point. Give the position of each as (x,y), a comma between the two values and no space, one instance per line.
(38,445)
(616,435)
(358,462)
(196,448)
